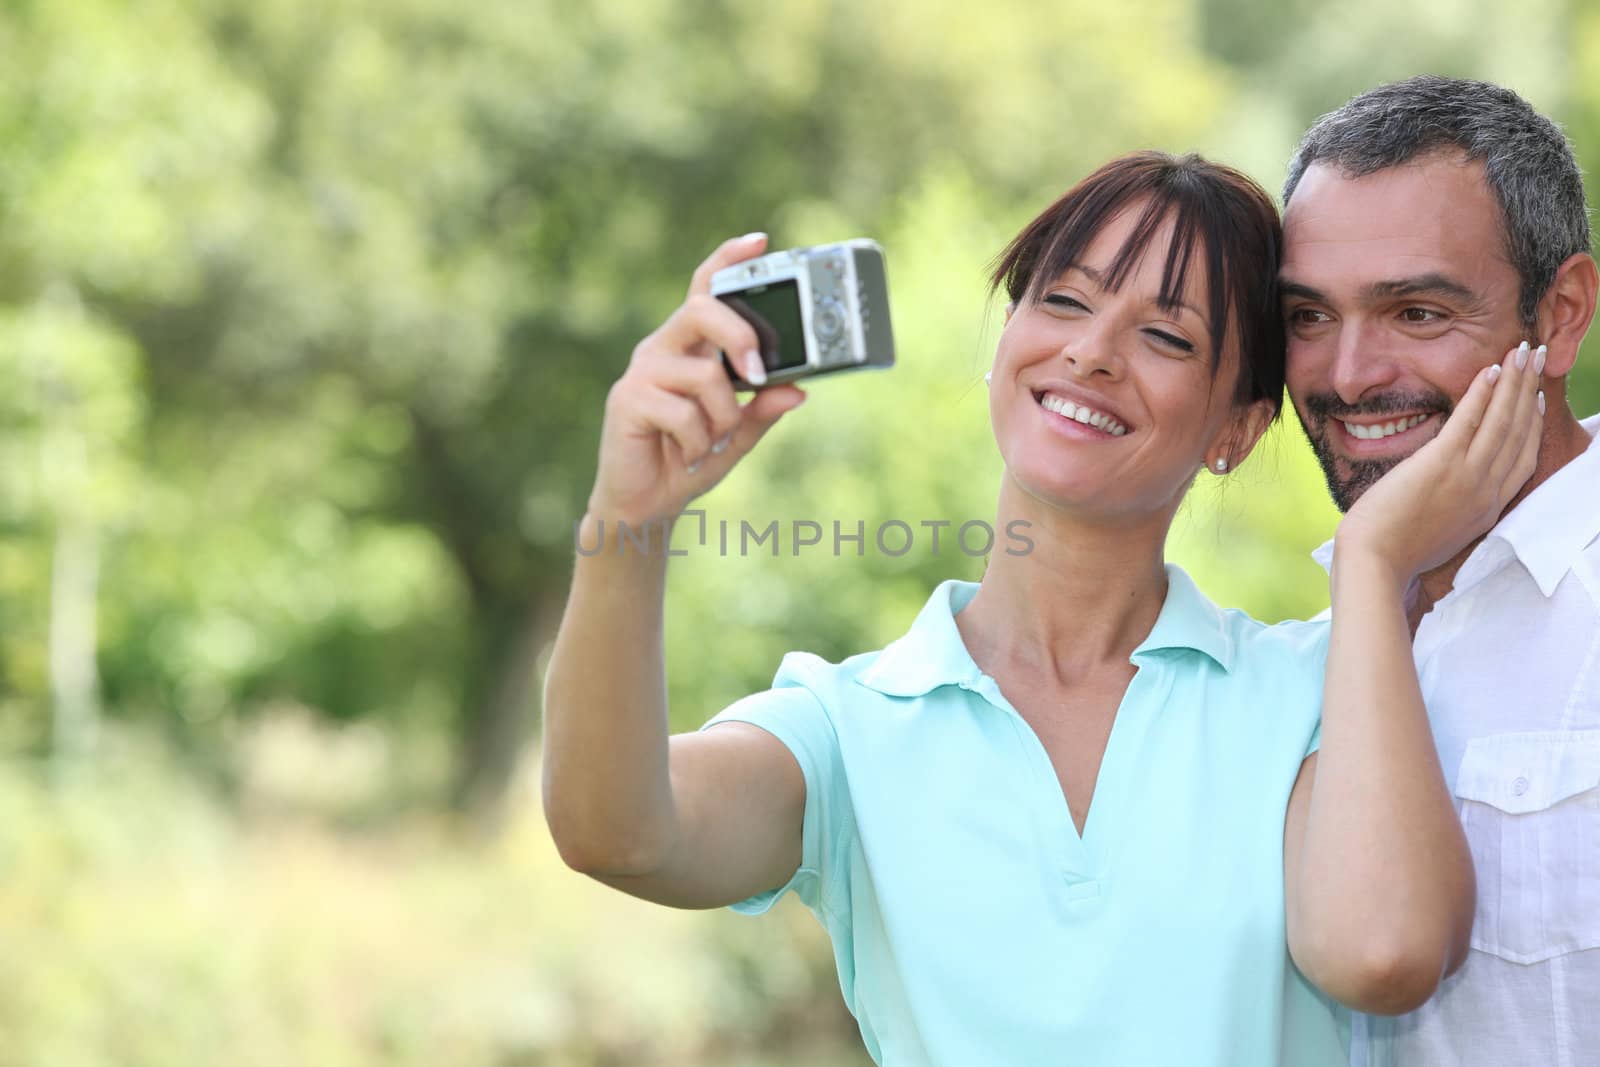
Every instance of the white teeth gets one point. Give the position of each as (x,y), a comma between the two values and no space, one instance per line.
(1078,413)
(1387,429)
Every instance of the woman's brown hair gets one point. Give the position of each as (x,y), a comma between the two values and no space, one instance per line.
(1216,209)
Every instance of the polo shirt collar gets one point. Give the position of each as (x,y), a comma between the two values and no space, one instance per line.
(1189,620)
(1547,531)
(932,654)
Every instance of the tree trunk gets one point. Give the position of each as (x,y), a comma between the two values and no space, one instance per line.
(74,698)
(500,707)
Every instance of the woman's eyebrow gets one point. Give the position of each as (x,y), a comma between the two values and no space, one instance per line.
(1093,275)
(1099,280)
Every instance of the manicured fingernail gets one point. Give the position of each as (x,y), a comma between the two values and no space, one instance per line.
(1541,401)
(755,235)
(1538,358)
(1522,356)
(754,372)
(720,445)
(1494,374)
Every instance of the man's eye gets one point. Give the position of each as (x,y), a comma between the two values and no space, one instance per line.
(1420,315)
(1307,316)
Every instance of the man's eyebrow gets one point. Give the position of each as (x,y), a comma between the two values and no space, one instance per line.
(1305,292)
(1432,284)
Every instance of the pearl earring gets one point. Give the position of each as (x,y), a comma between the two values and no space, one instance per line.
(1222,465)
(987,375)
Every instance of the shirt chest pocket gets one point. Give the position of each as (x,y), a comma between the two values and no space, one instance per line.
(1530,805)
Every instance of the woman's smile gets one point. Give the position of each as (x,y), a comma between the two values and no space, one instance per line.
(1081,413)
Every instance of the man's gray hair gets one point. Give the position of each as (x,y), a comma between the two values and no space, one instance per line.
(1527,160)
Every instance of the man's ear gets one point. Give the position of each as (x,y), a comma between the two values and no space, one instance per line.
(1566,311)
(1245,428)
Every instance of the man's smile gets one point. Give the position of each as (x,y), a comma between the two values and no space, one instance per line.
(1383,436)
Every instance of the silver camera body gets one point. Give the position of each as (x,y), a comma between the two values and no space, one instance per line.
(816,310)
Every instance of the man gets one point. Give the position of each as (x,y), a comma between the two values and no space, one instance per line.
(1430,227)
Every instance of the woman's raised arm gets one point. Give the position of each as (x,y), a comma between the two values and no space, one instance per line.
(698,820)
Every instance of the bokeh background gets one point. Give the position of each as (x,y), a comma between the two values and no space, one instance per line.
(307,313)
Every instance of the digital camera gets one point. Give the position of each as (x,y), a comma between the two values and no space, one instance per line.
(815,310)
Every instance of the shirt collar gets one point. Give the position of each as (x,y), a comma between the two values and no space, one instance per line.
(932,653)
(1552,525)
(1546,531)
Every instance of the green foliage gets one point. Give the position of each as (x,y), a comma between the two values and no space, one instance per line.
(145,923)
(325,299)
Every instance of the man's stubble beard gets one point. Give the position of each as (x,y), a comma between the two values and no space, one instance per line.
(1348,478)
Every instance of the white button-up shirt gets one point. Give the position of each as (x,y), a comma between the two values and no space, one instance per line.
(1510,668)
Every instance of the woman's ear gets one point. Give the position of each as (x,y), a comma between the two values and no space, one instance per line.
(1244,429)
(1566,311)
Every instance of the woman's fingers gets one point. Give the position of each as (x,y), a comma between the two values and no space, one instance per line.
(1499,422)
(1522,465)
(705,382)
(1502,451)
(754,419)
(762,411)
(700,327)
(682,420)
(673,423)
(682,357)
(1524,421)
(734,250)
(1460,430)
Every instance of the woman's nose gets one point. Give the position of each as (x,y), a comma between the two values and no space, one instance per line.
(1093,351)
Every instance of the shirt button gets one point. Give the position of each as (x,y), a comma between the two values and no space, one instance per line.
(1519,787)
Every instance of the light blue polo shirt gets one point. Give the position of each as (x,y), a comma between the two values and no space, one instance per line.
(970,923)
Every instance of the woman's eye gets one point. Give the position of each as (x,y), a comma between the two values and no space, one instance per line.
(1062,300)
(1171,339)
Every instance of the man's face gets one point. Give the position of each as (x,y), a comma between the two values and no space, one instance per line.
(1396,292)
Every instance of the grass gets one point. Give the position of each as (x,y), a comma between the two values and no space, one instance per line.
(144,921)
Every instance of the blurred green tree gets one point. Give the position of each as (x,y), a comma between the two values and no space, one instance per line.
(330,295)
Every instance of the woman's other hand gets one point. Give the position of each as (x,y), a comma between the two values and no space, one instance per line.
(1380,906)
(1454,488)
(673,424)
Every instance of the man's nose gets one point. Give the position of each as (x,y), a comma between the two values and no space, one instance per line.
(1362,362)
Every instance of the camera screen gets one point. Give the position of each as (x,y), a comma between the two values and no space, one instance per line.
(774,311)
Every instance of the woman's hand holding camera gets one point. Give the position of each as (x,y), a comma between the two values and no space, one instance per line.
(673,424)
(1455,487)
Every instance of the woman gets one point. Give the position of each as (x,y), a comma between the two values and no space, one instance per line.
(1076,814)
